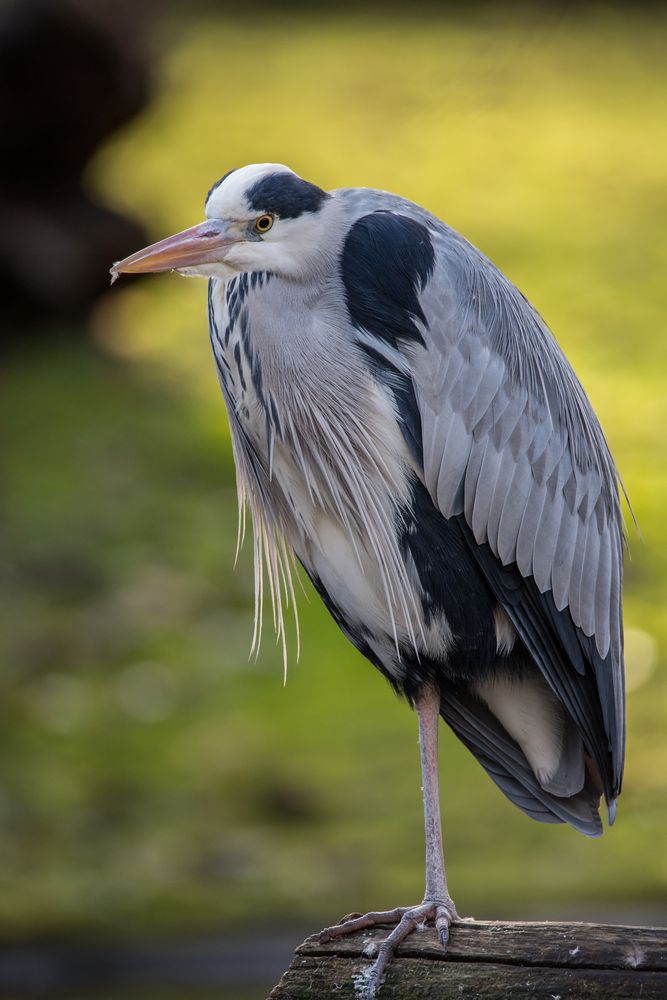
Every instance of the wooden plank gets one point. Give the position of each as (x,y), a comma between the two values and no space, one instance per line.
(320,977)
(566,945)
(489,961)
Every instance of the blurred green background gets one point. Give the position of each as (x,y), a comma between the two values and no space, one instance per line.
(153,780)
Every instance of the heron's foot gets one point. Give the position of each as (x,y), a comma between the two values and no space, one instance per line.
(407,919)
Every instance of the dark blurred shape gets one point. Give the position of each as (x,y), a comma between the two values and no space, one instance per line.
(71,73)
(226,965)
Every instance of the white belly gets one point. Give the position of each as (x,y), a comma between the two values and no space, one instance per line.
(351,577)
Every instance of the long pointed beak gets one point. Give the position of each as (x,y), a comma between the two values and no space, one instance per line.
(200,244)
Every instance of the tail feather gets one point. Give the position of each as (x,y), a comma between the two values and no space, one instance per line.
(506,764)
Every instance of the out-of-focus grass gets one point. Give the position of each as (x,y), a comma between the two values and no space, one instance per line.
(151,776)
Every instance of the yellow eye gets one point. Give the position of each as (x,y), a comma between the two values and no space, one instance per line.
(264,223)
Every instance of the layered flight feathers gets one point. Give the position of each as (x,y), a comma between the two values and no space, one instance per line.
(510,443)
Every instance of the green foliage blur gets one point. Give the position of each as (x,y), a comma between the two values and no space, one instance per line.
(151,776)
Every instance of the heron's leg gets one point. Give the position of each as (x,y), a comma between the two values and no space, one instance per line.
(428,713)
(437,904)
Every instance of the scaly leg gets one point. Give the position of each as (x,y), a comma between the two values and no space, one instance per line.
(437,904)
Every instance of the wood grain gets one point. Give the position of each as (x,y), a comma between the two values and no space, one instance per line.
(489,961)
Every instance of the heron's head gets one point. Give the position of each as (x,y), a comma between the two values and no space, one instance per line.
(258,218)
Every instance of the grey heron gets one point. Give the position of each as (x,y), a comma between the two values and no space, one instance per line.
(406,426)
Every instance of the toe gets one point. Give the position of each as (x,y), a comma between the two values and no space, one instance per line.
(442,928)
(406,925)
(354,922)
(444,915)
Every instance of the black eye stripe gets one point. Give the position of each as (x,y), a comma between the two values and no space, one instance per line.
(286,195)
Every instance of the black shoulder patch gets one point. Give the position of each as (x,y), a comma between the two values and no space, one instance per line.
(218,183)
(386,261)
(285,195)
(452,585)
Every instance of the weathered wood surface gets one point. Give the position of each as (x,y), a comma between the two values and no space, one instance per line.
(490,961)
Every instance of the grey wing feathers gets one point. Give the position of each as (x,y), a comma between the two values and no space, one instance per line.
(509,435)
(532,471)
(511,442)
